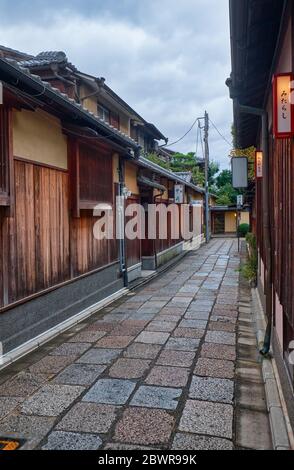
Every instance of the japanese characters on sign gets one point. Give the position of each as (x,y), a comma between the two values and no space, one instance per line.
(179,193)
(283,107)
(258,164)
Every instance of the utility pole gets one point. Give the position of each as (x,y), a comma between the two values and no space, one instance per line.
(207,221)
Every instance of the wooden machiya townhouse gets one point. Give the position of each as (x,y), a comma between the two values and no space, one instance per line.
(68,142)
(262,35)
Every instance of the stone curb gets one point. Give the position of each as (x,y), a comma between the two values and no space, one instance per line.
(278,426)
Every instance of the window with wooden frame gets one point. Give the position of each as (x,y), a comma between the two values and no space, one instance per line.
(6,158)
(104,113)
(91,177)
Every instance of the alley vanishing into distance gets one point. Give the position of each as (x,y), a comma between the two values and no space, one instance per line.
(172,365)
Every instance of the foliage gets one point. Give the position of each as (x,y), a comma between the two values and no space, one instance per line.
(249,269)
(156,159)
(243,230)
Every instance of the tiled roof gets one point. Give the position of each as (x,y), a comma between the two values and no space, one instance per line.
(15,65)
(146,163)
(47,58)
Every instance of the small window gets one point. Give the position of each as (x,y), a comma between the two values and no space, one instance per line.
(103,113)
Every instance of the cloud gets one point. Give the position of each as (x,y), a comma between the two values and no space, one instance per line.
(167,59)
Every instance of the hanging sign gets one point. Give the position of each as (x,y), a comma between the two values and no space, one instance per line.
(258,164)
(239,172)
(283,108)
(179,193)
(240,201)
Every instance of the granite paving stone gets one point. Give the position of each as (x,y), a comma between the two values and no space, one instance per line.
(142,351)
(176,358)
(168,376)
(8,404)
(99,356)
(144,426)
(220,337)
(89,417)
(200,324)
(201,417)
(60,440)
(110,391)
(188,333)
(27,427)
(52,364)
(214,368)
(161,326)
(182,344)
(129,368)
(114,342)
(195,315)
(184,441)
(51,400)
(212,389)
(151,337)
(157,397)
(87,336)
(70,349)
(222,326)
(80,374)
(22,385)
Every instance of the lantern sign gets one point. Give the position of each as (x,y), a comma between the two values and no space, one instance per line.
(283,107)
(258,164)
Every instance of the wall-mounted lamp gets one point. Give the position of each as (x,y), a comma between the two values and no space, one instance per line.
(283,109)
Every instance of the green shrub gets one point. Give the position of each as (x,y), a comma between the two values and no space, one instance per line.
(249,269)
(243,230)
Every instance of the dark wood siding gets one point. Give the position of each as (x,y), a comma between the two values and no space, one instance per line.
(41,246)
(282,223)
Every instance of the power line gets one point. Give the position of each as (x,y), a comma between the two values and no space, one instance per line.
(221,135)
(179,140)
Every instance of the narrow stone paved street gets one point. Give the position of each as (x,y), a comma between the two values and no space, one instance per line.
(155,369)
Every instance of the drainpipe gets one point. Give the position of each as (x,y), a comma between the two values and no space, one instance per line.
(266,218)
(122,241)
(154,201)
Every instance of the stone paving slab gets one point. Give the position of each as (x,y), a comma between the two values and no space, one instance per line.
(99,356)
(110,391)
(60,440)
(184,441)
(51,400)
(129,368)
(214,419)
(153,370)
(89,418)
(80,374)
(176,358)
(214,368)
(168,376)
(183,344)
(151,337)
(212,389)
(157,397)
(144,426)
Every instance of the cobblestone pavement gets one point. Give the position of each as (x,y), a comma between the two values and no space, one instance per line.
(154,370)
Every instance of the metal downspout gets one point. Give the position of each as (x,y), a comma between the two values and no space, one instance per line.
(266,218)
(122,241)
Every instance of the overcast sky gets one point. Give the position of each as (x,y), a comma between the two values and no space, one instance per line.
(168,59)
